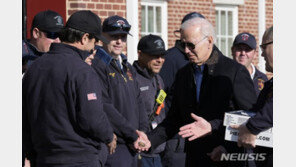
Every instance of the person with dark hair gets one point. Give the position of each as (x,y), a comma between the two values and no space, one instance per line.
(123,104)
(151,50)
(175,59)
(44,31)
(63,119)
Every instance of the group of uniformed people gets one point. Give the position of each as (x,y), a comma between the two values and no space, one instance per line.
(85,105)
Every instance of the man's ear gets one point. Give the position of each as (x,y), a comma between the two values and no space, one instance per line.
(139,54)
(211,40)
(84,39)
(36,33)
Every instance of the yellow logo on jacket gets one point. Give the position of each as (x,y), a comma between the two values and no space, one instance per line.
(112,74)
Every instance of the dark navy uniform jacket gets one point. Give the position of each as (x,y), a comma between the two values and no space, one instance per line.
(29,54)
(63,118)
(264,107)
(226,86)
(150,84)
(258,81)
(123,104)
(174,60)
(263,120)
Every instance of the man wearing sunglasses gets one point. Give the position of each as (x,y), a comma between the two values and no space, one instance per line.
(204,89)
(63,119)
(176,58)
(44,31)
(264,107)
(124,106)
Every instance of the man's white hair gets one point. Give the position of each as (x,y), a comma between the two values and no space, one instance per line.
(206,27)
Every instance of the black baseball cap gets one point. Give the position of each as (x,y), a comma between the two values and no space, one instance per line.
(116,25)
(191,16)
(245,38)
(88,22)
(152,45)
(48,21)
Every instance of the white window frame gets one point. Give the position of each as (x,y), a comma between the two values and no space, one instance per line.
(164,18)
(234,10)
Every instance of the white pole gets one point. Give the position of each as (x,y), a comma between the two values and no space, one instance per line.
(132,41)
(261,29)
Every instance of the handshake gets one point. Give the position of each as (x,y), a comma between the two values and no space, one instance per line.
(142,143)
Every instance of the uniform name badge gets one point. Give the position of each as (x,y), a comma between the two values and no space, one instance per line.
(154,124)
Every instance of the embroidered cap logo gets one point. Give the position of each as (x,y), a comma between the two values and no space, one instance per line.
(159,44)
(59,20)
(245,37)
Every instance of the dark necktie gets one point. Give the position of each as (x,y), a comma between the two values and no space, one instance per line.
(198,79)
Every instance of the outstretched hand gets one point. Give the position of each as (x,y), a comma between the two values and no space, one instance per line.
(200,127)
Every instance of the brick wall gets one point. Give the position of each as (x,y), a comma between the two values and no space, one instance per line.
(103,8)
(177,9)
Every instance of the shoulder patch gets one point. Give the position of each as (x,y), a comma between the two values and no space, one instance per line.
(260,84)
(91,96)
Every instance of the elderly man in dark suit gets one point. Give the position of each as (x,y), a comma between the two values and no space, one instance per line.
(210,85)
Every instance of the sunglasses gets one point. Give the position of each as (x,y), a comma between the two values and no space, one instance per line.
(51,35)
(190,45)
(263,46)
(118,26)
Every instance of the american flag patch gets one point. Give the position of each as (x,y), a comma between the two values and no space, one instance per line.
(92,96)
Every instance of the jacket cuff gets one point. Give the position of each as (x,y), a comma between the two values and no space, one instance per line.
(215,124)
(252,128)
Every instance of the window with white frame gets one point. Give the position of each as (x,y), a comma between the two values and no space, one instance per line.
(154,18)
(226,27)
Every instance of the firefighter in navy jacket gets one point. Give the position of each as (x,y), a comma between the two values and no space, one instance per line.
(151,50)
(44,31)
(63,119)
(123,104)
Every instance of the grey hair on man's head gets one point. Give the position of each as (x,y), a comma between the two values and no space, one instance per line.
(206,27)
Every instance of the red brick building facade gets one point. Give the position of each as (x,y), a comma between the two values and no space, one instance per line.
(163,17)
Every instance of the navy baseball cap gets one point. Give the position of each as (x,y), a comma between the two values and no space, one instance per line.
(116,25)
(191,16)
(88,22)
(48,21)
(152,45)
(187,17)
(245,38)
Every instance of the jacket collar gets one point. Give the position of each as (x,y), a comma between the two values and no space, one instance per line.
(213,60)
(32,48)
(105,57)
(142,71)
(68,48)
